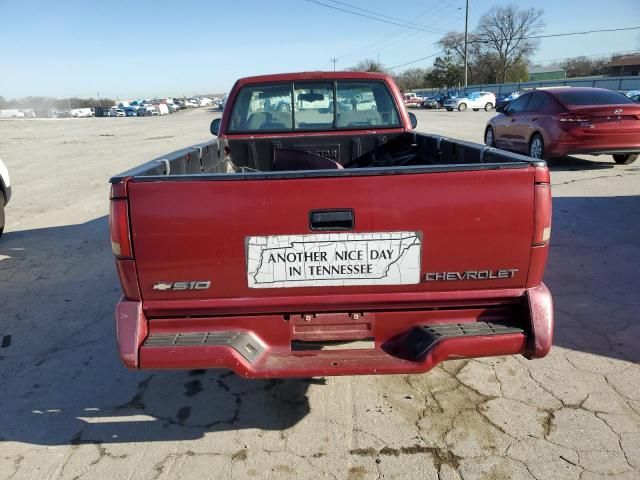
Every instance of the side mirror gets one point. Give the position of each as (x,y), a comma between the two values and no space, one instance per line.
(414,120)
(215,126)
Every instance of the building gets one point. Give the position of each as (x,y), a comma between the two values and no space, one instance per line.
(546,73)
(624,65)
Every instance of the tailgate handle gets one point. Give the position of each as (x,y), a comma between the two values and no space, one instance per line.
(331,219)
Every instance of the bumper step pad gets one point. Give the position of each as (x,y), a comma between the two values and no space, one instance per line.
(415,344)
(244,343)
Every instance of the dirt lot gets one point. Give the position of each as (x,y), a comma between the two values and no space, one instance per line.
(68,409)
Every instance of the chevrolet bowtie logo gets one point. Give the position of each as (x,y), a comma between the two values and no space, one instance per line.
(163,286)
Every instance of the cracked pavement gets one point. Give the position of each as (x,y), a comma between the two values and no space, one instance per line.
(69,410)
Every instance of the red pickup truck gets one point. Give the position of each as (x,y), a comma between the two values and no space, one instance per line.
(329,238)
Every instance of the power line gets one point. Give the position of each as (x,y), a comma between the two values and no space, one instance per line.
(568,34)
(371,12)
(530,37)
(405,25)
(401,35)
(416,60)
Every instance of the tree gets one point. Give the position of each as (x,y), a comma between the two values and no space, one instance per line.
(583,66)
(505,31)
(368,65)
(411,79)
(446,72)
(453,44)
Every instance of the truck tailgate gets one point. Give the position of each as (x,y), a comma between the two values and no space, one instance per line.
(466,230)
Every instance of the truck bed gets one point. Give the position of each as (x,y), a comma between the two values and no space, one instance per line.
(363,154)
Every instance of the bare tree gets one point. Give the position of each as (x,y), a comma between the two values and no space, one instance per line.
(453,44)
(506,31)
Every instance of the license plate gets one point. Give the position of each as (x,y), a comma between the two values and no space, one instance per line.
(334,259)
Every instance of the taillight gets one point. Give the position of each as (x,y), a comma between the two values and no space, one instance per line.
(119,228)
(571,120)
(541,226)
(542,214)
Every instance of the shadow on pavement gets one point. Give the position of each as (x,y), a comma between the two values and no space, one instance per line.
(62,380)
(593,274)
(569,164)
(63,383)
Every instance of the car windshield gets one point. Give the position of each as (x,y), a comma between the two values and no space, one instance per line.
(591,97)
(313,106)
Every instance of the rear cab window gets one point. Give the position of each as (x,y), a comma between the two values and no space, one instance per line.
(323,105)
(593,97)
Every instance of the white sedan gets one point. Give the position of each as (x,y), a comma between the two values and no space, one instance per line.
(475,100)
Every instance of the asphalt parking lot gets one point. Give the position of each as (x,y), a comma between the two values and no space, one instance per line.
(69,410)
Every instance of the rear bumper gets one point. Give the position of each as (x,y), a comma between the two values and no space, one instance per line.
(402,342)
(563,143)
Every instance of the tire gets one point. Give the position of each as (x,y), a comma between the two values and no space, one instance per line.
(1,214)
(625,159)
(488,107)
(536,146)
(462,107)
(476,109)
(449,109)
(285,108)
(489,137)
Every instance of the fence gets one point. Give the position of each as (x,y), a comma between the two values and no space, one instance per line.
(612,83)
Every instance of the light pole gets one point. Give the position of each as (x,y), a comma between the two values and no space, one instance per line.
(334,60)
(99,102)
(466,43)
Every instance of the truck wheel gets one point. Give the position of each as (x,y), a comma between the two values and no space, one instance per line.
(285,108)
(625,159)
(489,137)
(488,107)
(536,146)
(462,107)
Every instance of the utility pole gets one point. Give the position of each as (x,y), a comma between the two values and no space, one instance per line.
(69,103)
(334,60)
(466,43)
(99,102)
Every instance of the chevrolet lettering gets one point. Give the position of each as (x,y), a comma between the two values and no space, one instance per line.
(471,275)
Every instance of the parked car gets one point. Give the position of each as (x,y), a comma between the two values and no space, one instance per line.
(475,100)
(434,101)
(5,193)
(504,100)
(555,122)
(392,251)
(131,111)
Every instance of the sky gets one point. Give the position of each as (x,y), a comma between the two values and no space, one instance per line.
(143,48)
